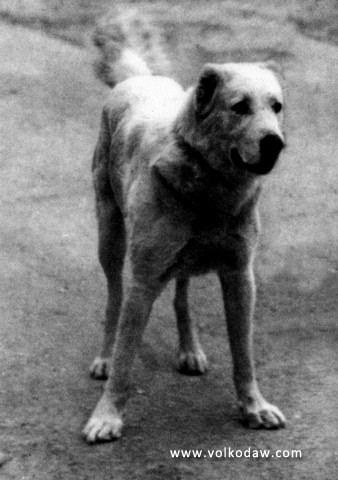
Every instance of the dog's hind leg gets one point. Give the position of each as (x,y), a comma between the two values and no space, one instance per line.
(192,360)
(111,255)
(111,232)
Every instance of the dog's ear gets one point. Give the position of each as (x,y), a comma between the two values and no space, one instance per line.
(272,65)
(206,90)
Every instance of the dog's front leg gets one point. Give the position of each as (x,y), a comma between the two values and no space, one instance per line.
(105,422)
(238,289)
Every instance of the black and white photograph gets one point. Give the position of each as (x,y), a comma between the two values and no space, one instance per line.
(169,240)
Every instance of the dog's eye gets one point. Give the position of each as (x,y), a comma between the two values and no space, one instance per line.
(277,107)
(242,107)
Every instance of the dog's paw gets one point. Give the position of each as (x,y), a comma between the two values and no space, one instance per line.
(102,429)
(193,363)
(104,425)
(99,369)
(261,414)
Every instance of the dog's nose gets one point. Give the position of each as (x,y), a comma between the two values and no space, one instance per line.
(271,146)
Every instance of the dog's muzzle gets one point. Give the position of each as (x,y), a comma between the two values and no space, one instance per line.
(270,147)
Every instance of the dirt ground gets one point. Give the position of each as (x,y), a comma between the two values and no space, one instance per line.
(52,293)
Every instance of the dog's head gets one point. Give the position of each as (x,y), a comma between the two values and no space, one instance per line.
(235,118)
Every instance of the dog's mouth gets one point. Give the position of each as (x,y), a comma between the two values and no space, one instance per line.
(262,167)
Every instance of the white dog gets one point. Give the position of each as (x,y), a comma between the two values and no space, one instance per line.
(177,178)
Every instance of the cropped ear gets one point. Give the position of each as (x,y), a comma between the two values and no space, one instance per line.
(273,66)
(206,89)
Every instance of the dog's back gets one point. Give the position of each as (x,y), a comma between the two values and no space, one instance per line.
(138,119)
(145,99)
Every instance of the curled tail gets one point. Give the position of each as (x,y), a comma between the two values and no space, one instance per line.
(129,45)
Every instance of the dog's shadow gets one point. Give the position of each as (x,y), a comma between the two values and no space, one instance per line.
(168,404)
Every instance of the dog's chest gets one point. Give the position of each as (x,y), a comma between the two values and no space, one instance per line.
(201,255)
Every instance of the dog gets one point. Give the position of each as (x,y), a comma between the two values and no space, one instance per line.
(177,177)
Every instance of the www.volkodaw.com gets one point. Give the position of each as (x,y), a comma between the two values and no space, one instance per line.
(228,453)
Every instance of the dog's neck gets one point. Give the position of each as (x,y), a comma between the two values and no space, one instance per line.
(241,185)
(189,177)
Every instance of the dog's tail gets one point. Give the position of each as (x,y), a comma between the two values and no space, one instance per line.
(129,45)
